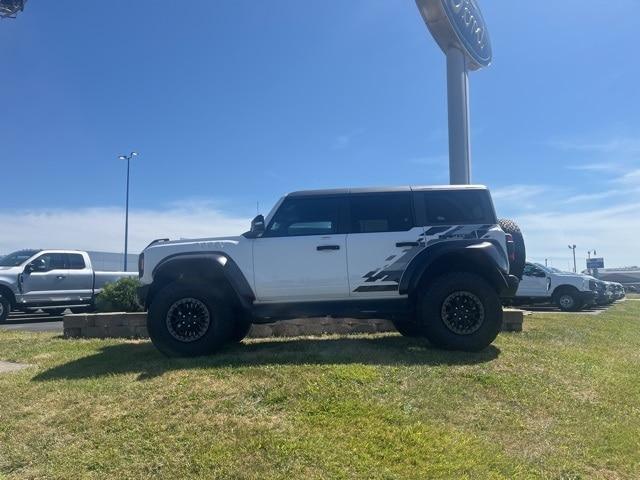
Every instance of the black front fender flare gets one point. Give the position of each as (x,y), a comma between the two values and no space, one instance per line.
(203,266)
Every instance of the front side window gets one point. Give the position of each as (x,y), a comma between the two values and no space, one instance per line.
(49,261)
(533,271)
(384,212)
(458,207)
(307,216)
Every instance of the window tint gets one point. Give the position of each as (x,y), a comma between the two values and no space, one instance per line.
(307,216)
(458,207)
(390,212)
(50,261)
(76,261)
(533,271)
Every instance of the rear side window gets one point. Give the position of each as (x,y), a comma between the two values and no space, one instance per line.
(385,212)
(458,207)
(307,216)
(76,261)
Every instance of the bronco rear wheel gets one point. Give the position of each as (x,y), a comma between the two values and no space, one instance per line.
(189,320)
(460,311)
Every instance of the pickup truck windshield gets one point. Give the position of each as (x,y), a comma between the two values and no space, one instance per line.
(16,259)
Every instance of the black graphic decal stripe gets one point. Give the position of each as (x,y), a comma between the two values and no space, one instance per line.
(377,288)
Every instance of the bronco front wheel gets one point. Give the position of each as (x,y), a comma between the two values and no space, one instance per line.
(188,320)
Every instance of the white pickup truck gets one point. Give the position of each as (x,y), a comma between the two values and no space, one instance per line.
(569,291)
(50,279)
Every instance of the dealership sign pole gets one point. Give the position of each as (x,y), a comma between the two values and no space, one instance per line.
(459,29)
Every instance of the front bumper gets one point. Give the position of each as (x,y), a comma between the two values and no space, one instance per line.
(588,297)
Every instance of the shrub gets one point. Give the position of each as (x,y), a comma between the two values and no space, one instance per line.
(119,296)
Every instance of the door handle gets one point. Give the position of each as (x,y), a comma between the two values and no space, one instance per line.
(321,248)
(407,244)
(60,277)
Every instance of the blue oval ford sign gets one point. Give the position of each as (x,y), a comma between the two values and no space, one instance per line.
(458,23)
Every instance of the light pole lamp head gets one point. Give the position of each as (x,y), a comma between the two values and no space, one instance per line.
(129,157)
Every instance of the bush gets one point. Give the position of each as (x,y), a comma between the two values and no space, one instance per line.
(120,296)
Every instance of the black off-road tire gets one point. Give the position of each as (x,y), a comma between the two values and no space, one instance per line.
(460,311)
(408,328)
(188,320)
(567,299)
(240,328)
(516,267)
(5,309)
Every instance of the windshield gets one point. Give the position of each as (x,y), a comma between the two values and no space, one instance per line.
(17,258)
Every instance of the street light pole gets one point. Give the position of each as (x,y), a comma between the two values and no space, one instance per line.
(126,215)
(573,247)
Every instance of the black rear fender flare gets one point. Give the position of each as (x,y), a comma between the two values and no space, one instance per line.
(202,268)
(483,257)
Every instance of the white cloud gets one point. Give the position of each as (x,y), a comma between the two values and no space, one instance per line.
(102,229)
(597,167)
(631,178)
(517,192)
(617,145)
(590,197)
(613,232)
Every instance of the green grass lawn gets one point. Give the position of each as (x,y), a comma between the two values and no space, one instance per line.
(561,400)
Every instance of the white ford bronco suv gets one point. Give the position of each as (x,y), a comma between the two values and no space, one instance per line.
(434,260)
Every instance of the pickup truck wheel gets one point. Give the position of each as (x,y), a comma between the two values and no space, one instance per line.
(567,300)
(409,329)
(5,309)
(189,320)
(460,311)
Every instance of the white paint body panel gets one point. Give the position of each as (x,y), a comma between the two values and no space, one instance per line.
(292,269)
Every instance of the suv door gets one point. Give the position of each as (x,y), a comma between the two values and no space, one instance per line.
(45,279)
(302,254)
(534,282)
(383,238)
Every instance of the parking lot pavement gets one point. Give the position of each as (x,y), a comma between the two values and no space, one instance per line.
(33,322)
(595,310)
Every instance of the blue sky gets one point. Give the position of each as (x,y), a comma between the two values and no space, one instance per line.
(234,102)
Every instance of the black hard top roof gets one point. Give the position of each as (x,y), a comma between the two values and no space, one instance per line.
(346,191)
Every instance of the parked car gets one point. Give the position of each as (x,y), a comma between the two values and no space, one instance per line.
(52,280)
(568,291)
(619,291)
(432,259)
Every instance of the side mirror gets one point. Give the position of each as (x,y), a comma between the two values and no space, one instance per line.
(30,268)
(257,225)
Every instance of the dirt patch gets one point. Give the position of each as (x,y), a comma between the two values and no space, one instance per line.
(7,367)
